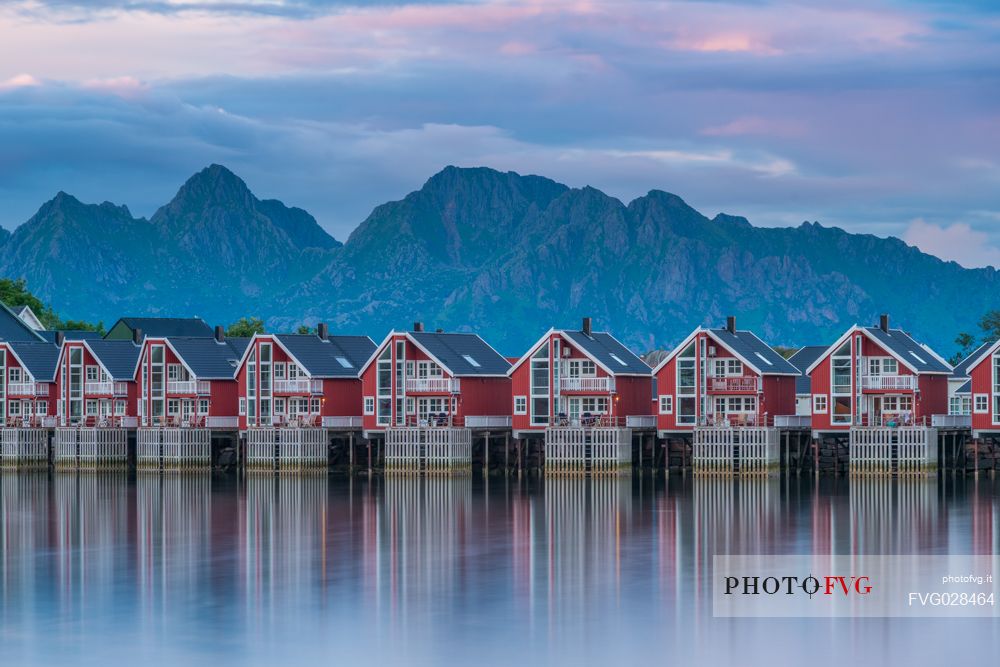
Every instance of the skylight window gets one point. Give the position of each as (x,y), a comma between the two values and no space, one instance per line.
(618,359)
(763,358)
(917,357)
(472,362)
(344,362)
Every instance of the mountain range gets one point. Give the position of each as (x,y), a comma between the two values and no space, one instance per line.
(495,252)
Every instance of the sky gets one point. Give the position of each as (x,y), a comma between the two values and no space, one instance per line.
(878,116)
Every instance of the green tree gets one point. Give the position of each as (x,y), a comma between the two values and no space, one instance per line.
(14,293)
(245,327)
(990,324)
(305,330)
(80,325)
(784,351)
(966,343)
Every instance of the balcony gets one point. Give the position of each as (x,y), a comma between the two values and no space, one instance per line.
(432,385)
(488,421)
(600,385)
(951,421)
(734,384)
(106,388)
(298,386)
(189,387)
(341,422)
(28,389)
(888,382)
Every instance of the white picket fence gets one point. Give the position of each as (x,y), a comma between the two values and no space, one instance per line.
(287,449)
(24,447)
(581,451)
(90,448)
(173,449)
(437,450)
(882,450)
(735,450)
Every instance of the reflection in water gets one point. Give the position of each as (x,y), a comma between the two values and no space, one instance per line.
(194,569)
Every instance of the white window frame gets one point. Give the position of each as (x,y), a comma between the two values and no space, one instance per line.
(820,404)
(520,405)
(119,407)
(976,408)
(666,404)
(315,406)
(369,405)
(243,405)
(279,370)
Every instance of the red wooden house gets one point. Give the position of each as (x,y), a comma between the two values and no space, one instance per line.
(302,380)
(420,378)
(723,377)
(96,381)
(28,389)
(983,370)
(189,380)
(578,378)
(877,376)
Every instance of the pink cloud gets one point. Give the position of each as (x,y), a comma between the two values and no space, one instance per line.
(19,81)
(957,242)
(753,125)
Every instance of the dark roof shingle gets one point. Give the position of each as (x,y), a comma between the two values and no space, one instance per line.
(321,358)
(961,369)
(904,347)
(165,327)
(40,359)
(802,360)
(119,357)
(451,349)
(207,358)
(13,327)
(605,348)
(747,345)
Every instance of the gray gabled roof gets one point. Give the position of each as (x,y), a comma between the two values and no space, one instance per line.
(72,334)
(802,360)
(752,349)
(451,350)
(966,388)
(319,357)
(961,370)
(13,328)
(601,345)
(165,327)
(119,357)
(40,359)
(207,358)
(903,346)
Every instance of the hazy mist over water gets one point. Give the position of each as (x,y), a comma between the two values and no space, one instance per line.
(112,570)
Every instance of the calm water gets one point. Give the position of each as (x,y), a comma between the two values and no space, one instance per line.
(107,570)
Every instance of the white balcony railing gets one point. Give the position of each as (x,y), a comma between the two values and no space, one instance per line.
(487,421)
(792,421)
(951,421)
(189,387)
(640,421)
(432,385)
(336,421)
(28,388)
(597,384)
(298,386)
(891,382)
(734,384)
(222,422)
(106,387)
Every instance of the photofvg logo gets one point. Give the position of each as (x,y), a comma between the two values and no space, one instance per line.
(853,585)
(791,585)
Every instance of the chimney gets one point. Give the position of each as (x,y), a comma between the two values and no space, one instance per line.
(731,324)
(587,328)
(220,334)
(418,327)
(137,336)
(439,331)
(60,338)
(883,322)
(322,331)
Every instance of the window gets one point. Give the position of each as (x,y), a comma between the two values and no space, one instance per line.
(410,368)
(618,359)
(981,403)
(411,405)
(996,373)
(173,371)
(119,408)
(41,408)
(960,405)
(728,367)
(686,377)
(243,405)
(520,405)
(15,408)
(819,404)
(15,375)
(91,408)
(666,404)
(581,368)
(597,405)
(279,370)
(763,358)
(840,379)
(472,362)
(314,403)
(841,413)
(293,371)
(345,363)
(173,406)
(369,405)
(279,406)
(92,374)
(539,367)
